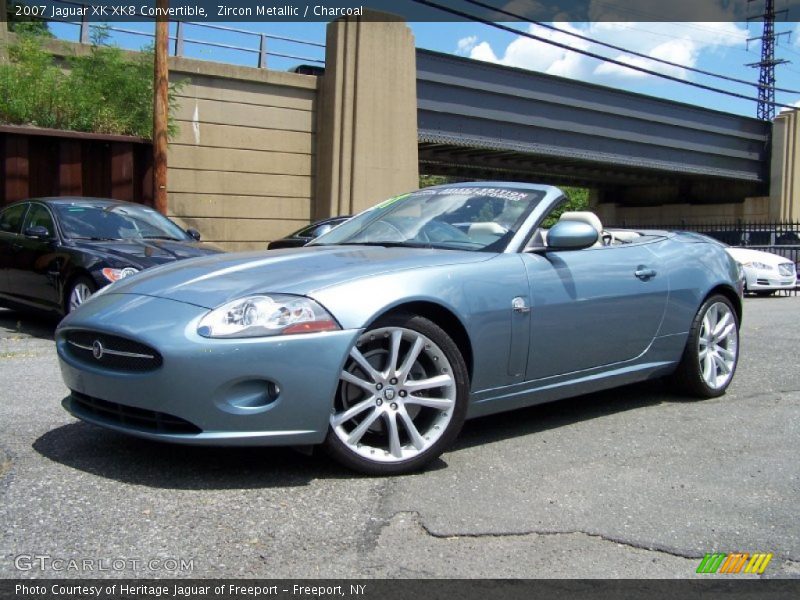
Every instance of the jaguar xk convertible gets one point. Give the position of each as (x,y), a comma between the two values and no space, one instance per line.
(380,338)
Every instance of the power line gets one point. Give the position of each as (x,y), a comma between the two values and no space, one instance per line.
(625,50)
(538,38)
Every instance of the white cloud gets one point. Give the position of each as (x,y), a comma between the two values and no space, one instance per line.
(483,51)
(681,43)
(537,55)
(682,52)
(466,44)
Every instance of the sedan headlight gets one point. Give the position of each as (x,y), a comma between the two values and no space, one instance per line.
(116,274)
(758,265)
(258,316)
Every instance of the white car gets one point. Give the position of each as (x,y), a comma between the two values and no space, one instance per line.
(764,272)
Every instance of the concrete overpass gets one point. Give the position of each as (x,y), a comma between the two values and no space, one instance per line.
(477,119)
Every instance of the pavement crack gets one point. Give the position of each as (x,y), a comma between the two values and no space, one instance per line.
(660,548)
(548,532)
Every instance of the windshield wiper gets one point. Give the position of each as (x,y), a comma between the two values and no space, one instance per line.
(96,239)
(159,237)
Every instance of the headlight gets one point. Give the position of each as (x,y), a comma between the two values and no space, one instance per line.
(257,316)
(116,274)
(757,265)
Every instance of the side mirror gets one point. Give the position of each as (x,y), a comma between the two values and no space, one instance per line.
(194,234)
(571,235)
(38,231)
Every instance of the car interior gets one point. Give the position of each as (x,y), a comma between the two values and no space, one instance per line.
(605,237)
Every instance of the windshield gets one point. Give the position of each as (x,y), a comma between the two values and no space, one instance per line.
(83,221)
(458,218)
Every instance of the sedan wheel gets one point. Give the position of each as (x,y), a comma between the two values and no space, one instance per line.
(81,290)
(401,398)
(712,351)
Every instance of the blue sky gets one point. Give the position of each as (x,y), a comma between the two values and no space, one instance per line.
(716,47)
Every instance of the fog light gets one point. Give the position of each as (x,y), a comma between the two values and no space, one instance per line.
(250,396)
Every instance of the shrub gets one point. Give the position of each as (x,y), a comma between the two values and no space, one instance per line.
(103,91)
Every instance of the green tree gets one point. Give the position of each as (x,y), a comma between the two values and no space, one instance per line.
(577,199)
(105,90)
(429,180)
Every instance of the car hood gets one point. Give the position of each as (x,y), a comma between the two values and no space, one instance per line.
(213,280)
(745,255)
(146,253)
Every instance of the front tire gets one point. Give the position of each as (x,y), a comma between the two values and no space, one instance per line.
(80,290)
(712,351)
(401,400)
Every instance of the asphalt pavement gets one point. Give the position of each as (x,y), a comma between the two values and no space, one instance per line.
(635,482)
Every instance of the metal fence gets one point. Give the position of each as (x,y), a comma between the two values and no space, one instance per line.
(777,237)
(190,39)
(36,162)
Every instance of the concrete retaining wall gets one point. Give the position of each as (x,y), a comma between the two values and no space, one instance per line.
(241,169)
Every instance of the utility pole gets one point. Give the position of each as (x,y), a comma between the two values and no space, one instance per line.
(160,108)
(766,75)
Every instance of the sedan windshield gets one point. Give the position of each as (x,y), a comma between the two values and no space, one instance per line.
(458,218)
(87,221)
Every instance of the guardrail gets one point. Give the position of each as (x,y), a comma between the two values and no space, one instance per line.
(185,33)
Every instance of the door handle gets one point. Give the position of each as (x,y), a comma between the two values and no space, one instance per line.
(518,305)
(644,273)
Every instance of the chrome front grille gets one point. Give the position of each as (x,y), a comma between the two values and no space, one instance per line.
(111,351)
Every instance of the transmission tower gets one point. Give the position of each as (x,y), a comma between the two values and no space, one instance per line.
(766,75)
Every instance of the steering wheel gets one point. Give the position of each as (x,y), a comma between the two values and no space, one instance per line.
(384,231)
(439,231)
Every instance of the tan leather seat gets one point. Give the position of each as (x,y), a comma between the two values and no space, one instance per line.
(625,237)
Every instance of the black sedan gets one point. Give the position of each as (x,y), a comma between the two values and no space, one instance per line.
(56,252)
(302,236)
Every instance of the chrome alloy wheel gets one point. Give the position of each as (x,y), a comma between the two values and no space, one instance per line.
(80,293)
(396,395)
(717,345)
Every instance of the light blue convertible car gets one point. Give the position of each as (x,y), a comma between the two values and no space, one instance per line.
(379,339)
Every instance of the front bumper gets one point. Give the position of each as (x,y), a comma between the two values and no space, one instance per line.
(260,391)
(768,280)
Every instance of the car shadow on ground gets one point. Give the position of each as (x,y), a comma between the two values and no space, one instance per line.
(19,324)
(552,415)
(136,461)
(131,460)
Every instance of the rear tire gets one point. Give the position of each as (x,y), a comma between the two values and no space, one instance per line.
(712,351)
(401,400)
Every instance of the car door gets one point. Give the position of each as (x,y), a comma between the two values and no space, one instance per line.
(36,262)
(592,307)
(11,219)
